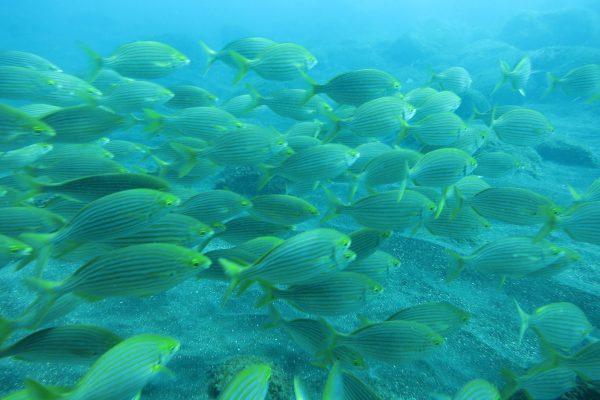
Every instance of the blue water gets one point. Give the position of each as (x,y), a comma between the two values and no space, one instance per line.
(408,40)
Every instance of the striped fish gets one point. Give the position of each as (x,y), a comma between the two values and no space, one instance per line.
(90,188)
(121,372)
(417,96)
(518,76)
(356,389)
(39,110)
(12,250)
(334,386)
(454,79)
(81,124)
(214,206)
(442,168)
(173,228)
(17,220)
(298,259)
(331,294)
(379,117)
(67,343)
(440,129)
(495,164)
(513,205)
(582,81)
(358,86)
(76,165)
(107,79)
(19,83)
(442,317)
(392,341)
(141,59)
(514,257)
(301,143)
(469,186)
(367,152)
(252,383)
(23,156)
(278,62)
(185,96)
(248,146)
(386,168)
(314,164)
(376,266)
(591,194)
(291,103)
(282,209)
(547,384)
(391,210)
(18,129)
(366,241)
(242,229)
(24,59)
(522,127)
(205,123)
(138,270)
(67,90)
(134,96)
(562,325)
(249,47)
(438,102)
(457,222)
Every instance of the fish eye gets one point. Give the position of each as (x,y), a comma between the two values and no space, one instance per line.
(245,203)
(196,262)
(13,249)
(37,129)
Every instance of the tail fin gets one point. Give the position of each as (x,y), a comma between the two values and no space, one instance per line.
(334,387)
(275,318)
(300,392)
(6,329)
(42,250)
(211,56)
(505,68)
(549,226)
(312,86)
(242,63)
(155,121)
(97,60)
(553,82)
(267,296)
(524,321)
(256,97)
(335,204)
(574,193)
(37,391)
(234,271)
(266,173)
(460,265)
(190,157)
(511,383)
(36,187)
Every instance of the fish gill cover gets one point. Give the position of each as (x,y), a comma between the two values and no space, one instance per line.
(309,200)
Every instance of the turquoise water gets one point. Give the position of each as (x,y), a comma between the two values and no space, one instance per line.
(408,41)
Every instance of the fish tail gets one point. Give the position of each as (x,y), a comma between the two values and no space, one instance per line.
(524,321)
(190,157)
(42,250)
(98,62)
(234,272)
(460,202)
(155,121)
(335,204)
(441,204)
(266,174)
(211,56)
(267,296)
(511,383)
(242,63)
(6,329)
(38,391)
(256,98)
(553,82)
(313,87)
(275,318)
(460,265)
(574,193)
(505,68)
(548,227)
(36,187)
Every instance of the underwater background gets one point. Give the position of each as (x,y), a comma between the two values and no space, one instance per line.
(412,41)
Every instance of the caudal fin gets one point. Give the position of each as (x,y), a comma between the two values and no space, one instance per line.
(211,56)
(242,63)
(524,321)
(37,391)
(335,204)
(553,82)
(154,121)
(505,69)
(511,383)
(460,265)
(97,61)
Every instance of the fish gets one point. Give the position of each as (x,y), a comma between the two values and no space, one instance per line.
(585,362)
(495,164)
(12,250)
(19,219)
(517,76)
(357,87)
(291,103)
(67,90)
(522,127)
(278,62)
(19,83)
(248,47)
(18,129)
(298,259)
(434,103)
(454,79)
(366,241)
(580,222)
(140,60)
(476,389)
(121,372)
(252,383)
(583,81)
(135,96)
(375,266)
(15,159)
(515,257)
(548,384)
(186,96)
(562,325)
(378,118)
(282,209)
(214,206)
(592,193)
(442,317)
(66,343)
(244,228)
(335,293)
(440,129)
(15,58)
